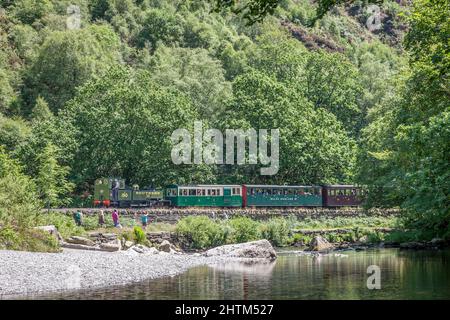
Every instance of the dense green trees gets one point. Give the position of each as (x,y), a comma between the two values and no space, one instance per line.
(65,61)
(314,148)
(104,99)
(19,204)
(407,141)
(122,124)
(195,73)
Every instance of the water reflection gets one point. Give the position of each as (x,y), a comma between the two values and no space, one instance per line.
(404,275)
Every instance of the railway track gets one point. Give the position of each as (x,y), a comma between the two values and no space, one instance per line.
(235,211)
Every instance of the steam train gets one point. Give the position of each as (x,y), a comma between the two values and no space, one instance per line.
(113,192)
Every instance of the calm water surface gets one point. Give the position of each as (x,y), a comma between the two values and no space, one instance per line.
(404,275)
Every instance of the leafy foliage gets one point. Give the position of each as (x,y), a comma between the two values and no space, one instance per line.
(243,229)
(352,105)
(139,235)
(406,163)
(201,231)
(19,203)
(132,139)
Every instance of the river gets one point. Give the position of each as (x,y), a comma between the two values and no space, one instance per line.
(404,274)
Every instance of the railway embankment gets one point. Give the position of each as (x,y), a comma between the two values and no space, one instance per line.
(173,215)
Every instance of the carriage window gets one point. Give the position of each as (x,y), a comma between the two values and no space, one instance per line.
(218,192)
(192,192)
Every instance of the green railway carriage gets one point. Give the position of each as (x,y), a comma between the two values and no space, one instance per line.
(282,196)
(203,195)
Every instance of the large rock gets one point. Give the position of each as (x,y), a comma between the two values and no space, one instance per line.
(80,240)
(111,246)
(109,236)
(79,246)
(139,248)
(412,245)
(165,246)
(320,244)
(437,242)
(52,230)
(255,249)
(128,244)
(152,250)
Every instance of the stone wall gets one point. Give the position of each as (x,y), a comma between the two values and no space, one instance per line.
(172,215)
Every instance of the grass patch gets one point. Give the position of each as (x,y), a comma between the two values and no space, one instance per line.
(27,240)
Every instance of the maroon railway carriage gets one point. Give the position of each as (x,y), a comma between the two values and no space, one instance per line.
(341,195)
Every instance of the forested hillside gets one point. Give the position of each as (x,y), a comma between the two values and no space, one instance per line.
(354,104)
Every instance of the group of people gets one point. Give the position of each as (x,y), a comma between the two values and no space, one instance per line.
(78,217)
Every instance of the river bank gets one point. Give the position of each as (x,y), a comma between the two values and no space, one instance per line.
(24,273)
(295,274)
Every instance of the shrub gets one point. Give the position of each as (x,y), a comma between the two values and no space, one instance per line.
(28,240)
(243,229)
(202,231)
(402,236)
(298,238)
(276,230)
(64,223)
(139,235)
(375,237)
(19,203)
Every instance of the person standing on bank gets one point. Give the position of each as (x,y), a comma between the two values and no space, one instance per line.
(115,218)
(115,190)
(101,218)
(144,219)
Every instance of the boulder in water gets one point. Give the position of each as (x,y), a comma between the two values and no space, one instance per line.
(318,243)
(254,249)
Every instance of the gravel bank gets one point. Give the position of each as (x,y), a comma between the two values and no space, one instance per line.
(24,273)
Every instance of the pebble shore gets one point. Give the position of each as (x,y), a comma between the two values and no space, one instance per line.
(24,273)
